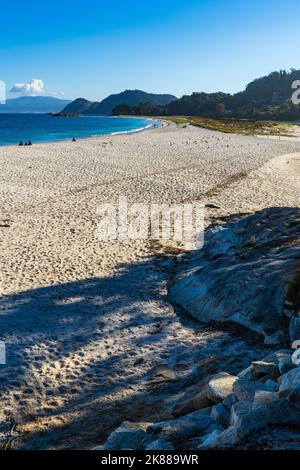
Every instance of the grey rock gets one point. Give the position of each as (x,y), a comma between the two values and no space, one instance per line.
(263,398)
(227,439)
(221,414)
(247,373)
(160,444)
(285,364)
(294,328)
(274,438)
(294,395)
(127,436)
(239,411)
(230,400)
(290,380)
(207,392)
(210,441)
(232,279)
(263,369)
(276,356)
(241,423)
(220,386)
(268,367)
(279,337)
(180,429)
(267,408)
(274,410)
(195,398)
(246,389)
(270,386)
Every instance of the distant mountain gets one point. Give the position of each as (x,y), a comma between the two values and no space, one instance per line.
(80,105)
(128,97)
(34,104)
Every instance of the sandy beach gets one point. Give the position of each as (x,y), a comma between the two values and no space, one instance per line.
(87,323)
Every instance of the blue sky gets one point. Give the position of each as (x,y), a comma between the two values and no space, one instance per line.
(94,48)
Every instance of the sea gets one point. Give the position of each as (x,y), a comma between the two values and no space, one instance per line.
(40,128)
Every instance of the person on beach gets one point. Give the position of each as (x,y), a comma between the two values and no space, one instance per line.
(26,143)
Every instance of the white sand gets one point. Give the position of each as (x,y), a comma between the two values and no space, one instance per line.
(84,320)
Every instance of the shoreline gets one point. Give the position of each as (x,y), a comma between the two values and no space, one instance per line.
(162,124)
(78,139)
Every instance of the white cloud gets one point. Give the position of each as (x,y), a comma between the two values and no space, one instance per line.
(35,87)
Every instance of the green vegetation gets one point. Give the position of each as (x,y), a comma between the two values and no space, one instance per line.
(234,126)
(142,109)
(179,120)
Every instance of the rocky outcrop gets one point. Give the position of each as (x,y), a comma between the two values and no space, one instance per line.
(252,405)
(209,391)
(260,404)
(127,436)
(220,387)
(248,273)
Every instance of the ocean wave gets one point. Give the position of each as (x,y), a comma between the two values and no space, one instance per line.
(132,131)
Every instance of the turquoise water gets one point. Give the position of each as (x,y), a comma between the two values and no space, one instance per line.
(43,128)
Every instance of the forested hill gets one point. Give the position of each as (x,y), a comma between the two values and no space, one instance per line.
(106,106)
(268,97)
